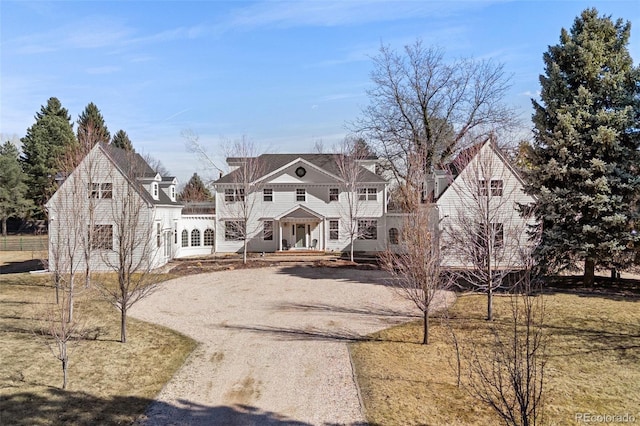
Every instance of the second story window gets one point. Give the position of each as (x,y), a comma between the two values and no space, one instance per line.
(367,194)
(334,194)
(495,185)
(301,194)
(267,195)
(154,188)
(231,195)
(100,190)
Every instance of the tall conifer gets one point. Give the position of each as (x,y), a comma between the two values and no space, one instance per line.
(584,162)
(42,147)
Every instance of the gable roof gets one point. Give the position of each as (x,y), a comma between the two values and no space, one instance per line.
(274,162)
(133,167)
(467,155)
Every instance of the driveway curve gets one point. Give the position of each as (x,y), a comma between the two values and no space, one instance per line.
(273,344)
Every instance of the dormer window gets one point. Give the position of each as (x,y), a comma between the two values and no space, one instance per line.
(172,192)
(154,190)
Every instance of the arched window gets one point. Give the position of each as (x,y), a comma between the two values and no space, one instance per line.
(185,238)
(195,238)
(393,235)
(208,237)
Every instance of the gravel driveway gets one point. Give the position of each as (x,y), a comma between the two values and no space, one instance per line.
(273,344)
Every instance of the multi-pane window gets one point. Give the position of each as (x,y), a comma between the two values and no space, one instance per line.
(334,193)
(301,194)
(158,234)
(367,229)
(208,237)
(267,194)
(106,190)
(102,237)
(267,230)
(154,185)
(334,231)
(367,194)
(496,186)
(100,190)
(195,237)
(393,236)
(185,238)
(172,192)
(233,230)
(231,195)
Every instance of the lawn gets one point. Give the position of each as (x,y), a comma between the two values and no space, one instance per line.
(593,365)
(109,382)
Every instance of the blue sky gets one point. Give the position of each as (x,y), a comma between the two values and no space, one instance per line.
(284,74)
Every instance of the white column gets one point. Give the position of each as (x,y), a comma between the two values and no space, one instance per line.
(279,235)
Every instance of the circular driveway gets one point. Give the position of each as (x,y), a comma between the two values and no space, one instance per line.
(273,343)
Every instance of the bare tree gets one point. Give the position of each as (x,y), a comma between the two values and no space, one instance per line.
(348,156)
(484,233)
(423,105)
(126,244)
(193,144)
(416,266)
(510,375)
(59,331)
(241,192)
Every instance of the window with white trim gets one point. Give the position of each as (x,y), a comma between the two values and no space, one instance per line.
(301,194)
(208,237)
(195,238)
(100,190)
(367,194)
(102,237)
(334,194)
(231,195)
(334,230)
(233,230)
(367,229)
(267,230)
(267,194)
(154,187)
(185,238)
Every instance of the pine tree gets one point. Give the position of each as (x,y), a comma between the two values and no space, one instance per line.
(91,127)
(121,140)
(584,162)
(42,147)
(195,190)
(13,186)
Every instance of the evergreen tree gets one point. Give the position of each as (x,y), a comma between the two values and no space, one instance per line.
(584,159)
(91,127)
(42,147)
(195,190)
(121,140)
(13,186)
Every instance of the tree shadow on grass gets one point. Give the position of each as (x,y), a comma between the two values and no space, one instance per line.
(20,267)
(57,407)
(621,289)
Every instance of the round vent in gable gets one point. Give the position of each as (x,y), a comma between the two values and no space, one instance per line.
(300,171)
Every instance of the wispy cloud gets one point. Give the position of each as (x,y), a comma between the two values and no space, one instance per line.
(288,14)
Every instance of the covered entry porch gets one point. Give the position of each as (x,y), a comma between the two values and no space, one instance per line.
(301,228)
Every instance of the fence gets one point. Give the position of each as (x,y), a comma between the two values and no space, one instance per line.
(23,243)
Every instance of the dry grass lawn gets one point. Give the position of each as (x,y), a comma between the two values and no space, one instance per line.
(109,382)
(593,367)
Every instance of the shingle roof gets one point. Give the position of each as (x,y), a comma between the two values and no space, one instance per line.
(273,162)
(134,167)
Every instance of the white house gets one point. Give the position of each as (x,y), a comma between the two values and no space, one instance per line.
(297,201)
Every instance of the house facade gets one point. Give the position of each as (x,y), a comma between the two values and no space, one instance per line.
(292,202)
(299,201)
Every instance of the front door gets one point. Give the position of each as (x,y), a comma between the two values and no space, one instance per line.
(301,235)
